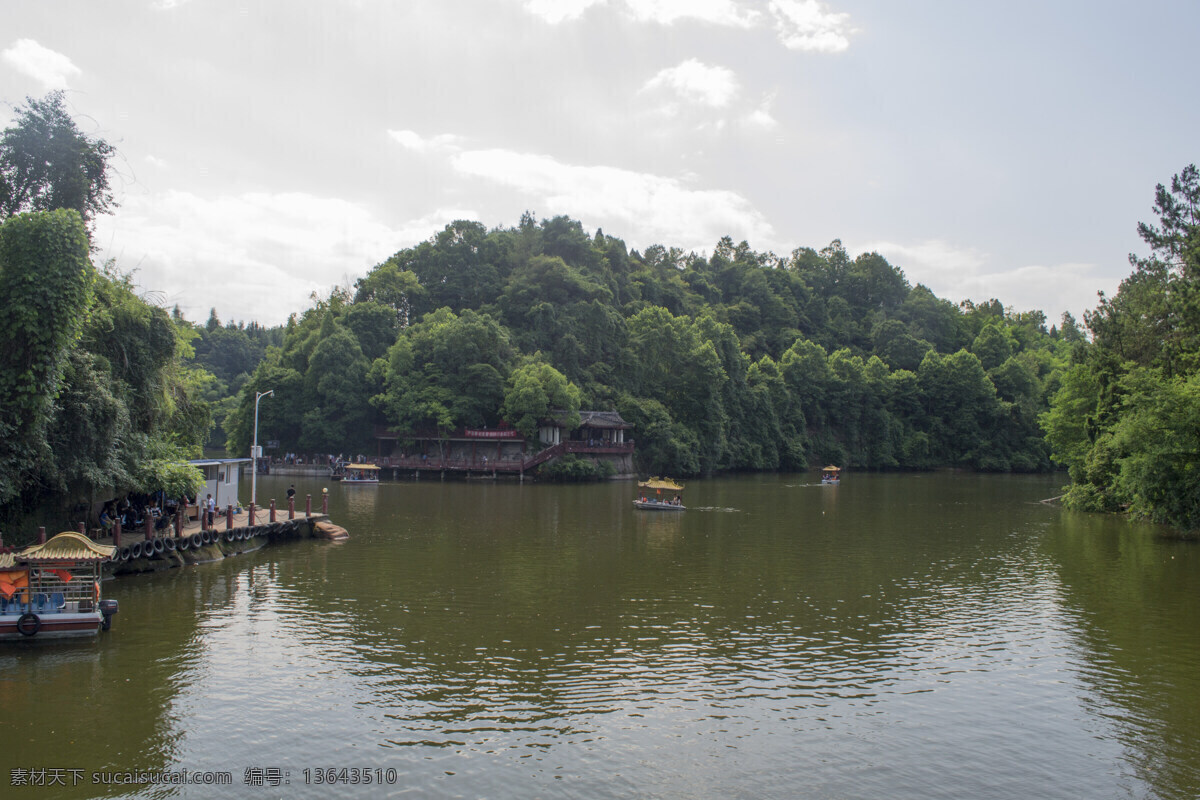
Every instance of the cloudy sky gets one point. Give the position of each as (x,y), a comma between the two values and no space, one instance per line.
(270,149)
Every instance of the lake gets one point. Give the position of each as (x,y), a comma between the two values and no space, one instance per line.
(900,636)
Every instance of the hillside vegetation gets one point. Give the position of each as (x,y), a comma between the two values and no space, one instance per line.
(739,361)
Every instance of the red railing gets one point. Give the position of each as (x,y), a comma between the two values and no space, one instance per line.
(479,463)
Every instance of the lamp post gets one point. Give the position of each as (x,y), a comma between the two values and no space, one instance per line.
(254,450)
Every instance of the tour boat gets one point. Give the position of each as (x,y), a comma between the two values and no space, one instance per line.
(651,497)
(53,589)
(360,473)
(831,475)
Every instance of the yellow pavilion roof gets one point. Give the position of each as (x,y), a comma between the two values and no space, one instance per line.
(67,546)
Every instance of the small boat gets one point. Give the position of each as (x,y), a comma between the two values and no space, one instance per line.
(53,589)
(831,475)
(360,474)
(651,495)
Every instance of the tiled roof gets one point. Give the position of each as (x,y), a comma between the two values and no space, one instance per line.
(595,419)
(67,546)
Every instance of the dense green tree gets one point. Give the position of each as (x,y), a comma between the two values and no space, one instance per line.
(48,163)
(739,360)
(1122,418)
(45,288)
(280,415)
(374,326)
(445,372)
(337,417)
(534,390)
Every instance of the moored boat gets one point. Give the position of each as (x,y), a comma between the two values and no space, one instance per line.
(651,495)
(53,589)
(360,473)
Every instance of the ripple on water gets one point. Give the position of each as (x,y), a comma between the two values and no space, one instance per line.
(721,654)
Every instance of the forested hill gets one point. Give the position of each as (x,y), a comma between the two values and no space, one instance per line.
(740,361)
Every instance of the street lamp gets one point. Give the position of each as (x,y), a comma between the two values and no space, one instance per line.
(254,450)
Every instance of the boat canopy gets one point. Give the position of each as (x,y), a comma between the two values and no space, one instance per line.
(66,546)
(367,467)
(660,483)
(832,469)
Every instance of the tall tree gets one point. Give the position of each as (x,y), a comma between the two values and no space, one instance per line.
(45,290)
(47,162)
(1123,420)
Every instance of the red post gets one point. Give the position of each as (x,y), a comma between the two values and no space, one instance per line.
(117,533)
(292,507)
(179,523)
(203,518)
(41,535)
(250,516)
(229,517)
(272,509)
(325,502)
(149,527)
(308,505)
(83,528)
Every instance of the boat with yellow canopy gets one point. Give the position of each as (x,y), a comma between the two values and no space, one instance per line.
(660,494)
(356,474)
(53,589)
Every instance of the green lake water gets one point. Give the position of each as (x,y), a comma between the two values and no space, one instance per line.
(897,636)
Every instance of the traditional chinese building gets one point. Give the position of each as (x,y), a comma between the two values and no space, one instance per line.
(600,437)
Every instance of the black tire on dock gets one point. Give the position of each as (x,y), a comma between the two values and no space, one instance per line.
(197,540)
(29,624)
(183,543)
(135,550)
(159,546)
(123,553)
(169,544)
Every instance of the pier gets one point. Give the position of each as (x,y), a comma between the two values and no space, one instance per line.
(190,540)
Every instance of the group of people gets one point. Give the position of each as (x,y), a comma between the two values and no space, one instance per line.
(677,501)
(133,511)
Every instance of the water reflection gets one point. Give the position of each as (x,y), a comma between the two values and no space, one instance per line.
(900,636)
(1132,596)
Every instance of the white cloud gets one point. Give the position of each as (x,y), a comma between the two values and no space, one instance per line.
(556,11)
(50,68)
(807,25)
(696,82)
(156,162)
(442,143)
(652,208)
(761,117)
(727,13)
(276,249)
(716,12)
(965,273)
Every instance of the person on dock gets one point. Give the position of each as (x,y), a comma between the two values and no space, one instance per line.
(210,507)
